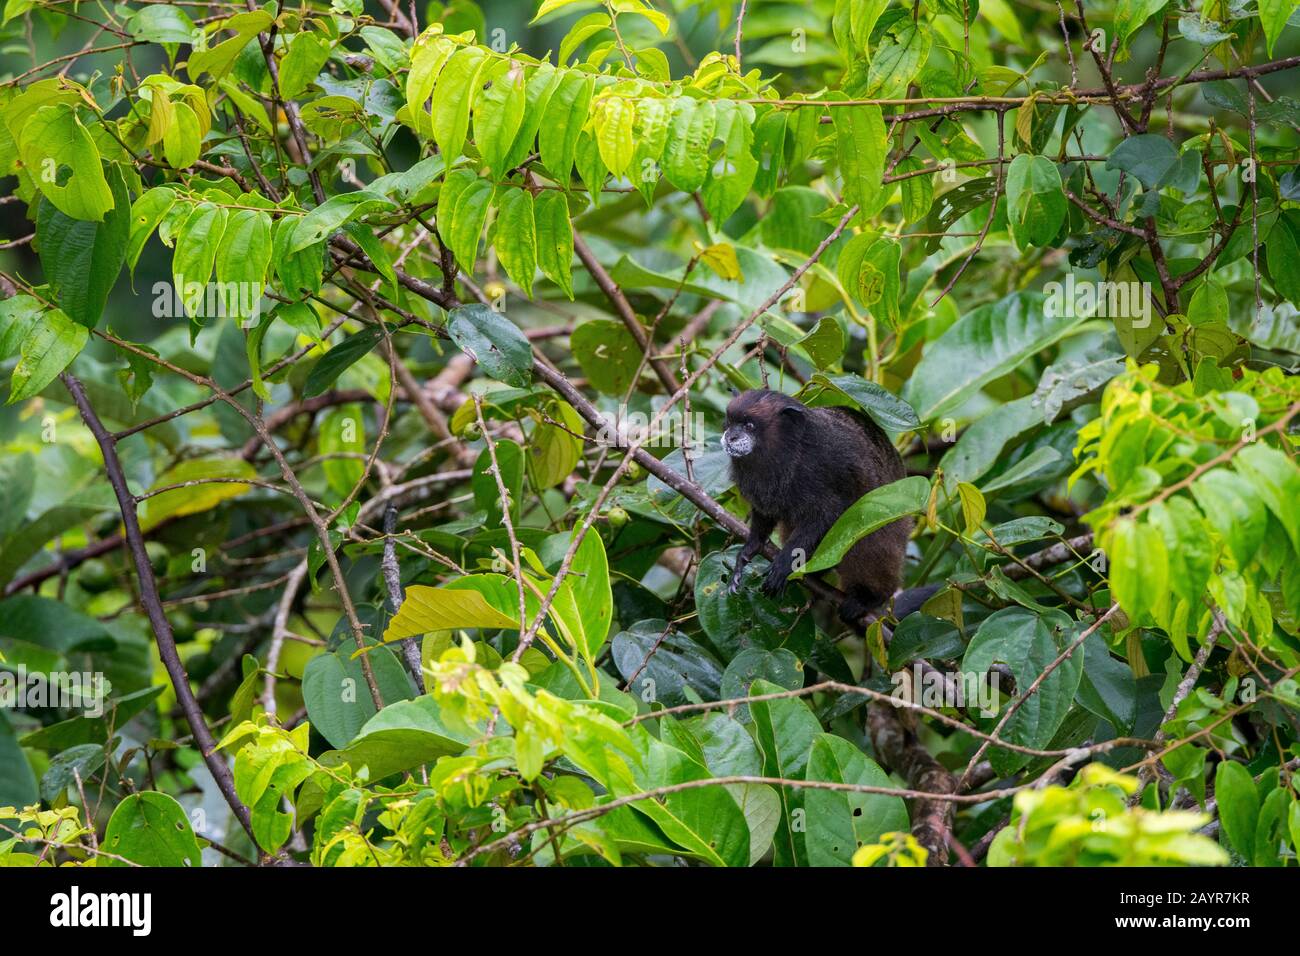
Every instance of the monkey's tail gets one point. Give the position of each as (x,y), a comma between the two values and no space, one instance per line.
(911,599)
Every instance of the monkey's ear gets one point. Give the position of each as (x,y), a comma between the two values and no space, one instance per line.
(794,413)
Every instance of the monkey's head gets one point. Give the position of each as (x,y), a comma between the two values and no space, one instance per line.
(759,421)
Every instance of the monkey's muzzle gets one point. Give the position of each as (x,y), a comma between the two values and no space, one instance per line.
(737,441)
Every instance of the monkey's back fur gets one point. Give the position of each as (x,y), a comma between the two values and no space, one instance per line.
(808,466)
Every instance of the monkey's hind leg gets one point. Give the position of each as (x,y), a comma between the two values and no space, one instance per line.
(872,571)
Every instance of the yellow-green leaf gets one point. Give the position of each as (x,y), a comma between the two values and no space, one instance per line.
(195,498)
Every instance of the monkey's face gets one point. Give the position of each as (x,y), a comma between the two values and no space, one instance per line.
(739,439)
(756,422)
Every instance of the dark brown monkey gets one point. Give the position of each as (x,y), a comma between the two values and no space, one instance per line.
(800,468)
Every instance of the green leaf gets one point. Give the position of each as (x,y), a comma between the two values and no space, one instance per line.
(498,114)
(1283,252)
(183,138)
(516,237)
(340,358)
(917,192)
(884,407)
(1025,469)
(1209,305)
(582,31)
(54,143)
(67,511)
(860,144)
(1271,830)
(427,609)
(375,251)
(494,342)
(1028,642)
(161,23)
(749,618)
(342,431)
(196,252)
(453,95)
(686,152)
(1233,507)
(1108,687)
(785,730)
(1273,15)
(607,354)
(83,729)
(825,343)
(1149,157)
(874,510)
(650,133)
(428,56)
(248,105)
(336,695)
(242,258)
(651,269)
(550,6)
(664,665)
(1190,555)
(541,86)
(780,666)
(554,239)
(79,761)
(323,221)
(1131,14)
(1036,204)
(732,175)
(300,273)
(17,484)
(1139,566)
(973,507)
(614,116)
(219,60)
(704,821)
(585,603)
(463,206)
(897,60)
(149,829)
(840,821)
(982,346)
(47,623)
(557,137)
(1238,803)
(146,213)
(403,736)
(868,268)
(510,458)
(553,452)
(728,750)
(82,259)
(195,498)
(46,350)
(17,782)
(1276,480)
(307,55)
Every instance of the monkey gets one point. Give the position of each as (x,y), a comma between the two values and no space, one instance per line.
(800,468)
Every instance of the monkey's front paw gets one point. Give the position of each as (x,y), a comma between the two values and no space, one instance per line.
(775,580)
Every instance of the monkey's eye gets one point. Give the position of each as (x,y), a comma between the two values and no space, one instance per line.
(749,426)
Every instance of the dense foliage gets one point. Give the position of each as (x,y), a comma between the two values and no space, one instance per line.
(402,335)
